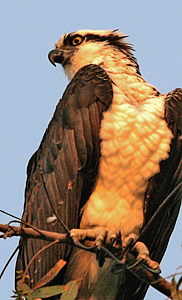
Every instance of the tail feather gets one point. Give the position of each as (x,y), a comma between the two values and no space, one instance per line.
(83,266)
(95,283)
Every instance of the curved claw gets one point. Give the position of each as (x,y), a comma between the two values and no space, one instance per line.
(137,263)
(141,261)
(128,246)
(100,256)
(153,271)
(77,243)
(112,241)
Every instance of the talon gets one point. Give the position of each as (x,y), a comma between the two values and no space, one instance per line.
(78,233)
(129,240)
(154,271)
(113,237)
(152,265)
(143,254)
(100,256)
(101,236)
(127,245)
(137,263)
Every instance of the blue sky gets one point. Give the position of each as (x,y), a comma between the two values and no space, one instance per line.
(30,86)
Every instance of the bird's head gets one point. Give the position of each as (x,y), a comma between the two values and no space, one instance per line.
(84,47)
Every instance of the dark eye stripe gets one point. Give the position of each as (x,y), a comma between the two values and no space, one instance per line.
(66,40)
(112,39)
(69,39)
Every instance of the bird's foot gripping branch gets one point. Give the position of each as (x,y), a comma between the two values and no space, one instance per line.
(70,289)
(110,242)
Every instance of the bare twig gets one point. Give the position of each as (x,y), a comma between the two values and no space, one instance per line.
(18,220)
(159,209)
(158,282)
(36,234)
(9,260)
(33,258)
(50,202)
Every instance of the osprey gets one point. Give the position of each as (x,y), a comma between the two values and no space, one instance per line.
(110,156)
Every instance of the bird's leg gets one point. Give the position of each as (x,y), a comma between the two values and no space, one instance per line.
(109,238)
(142,252)
(100,235)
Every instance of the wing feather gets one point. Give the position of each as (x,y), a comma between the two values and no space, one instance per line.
(163,183)
(67,159)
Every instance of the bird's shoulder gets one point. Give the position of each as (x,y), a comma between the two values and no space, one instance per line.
(68,155)
(173,111)
(91,84)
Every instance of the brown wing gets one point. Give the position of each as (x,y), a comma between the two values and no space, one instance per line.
(68,159)
(163,183)
(160,186)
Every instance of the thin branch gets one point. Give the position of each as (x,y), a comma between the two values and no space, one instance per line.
(158,282)
(159,209)
(21,221)
(36,234)
(10,215)
(9,260)
(33,258)
(50,202)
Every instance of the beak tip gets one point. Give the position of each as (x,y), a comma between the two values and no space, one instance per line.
(53,55)
(51,59)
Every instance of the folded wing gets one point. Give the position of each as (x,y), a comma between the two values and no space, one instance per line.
(67,162)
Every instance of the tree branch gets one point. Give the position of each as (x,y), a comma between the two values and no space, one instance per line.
(26,233)
(157,282)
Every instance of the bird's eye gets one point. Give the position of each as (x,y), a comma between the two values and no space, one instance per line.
(77,40)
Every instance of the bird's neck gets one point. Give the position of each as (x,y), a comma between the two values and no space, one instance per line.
(122,70)
(126,81)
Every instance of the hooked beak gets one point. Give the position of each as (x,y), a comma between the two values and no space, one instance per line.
(56,56)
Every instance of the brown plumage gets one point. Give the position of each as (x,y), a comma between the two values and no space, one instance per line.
(104,75)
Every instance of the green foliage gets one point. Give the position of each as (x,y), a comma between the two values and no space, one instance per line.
(51,274)
(49,291)
(23,291)
(72,291)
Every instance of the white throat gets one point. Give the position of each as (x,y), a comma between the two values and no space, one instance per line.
(119,67)
(134,139)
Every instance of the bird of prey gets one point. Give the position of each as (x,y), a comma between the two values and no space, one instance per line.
(110,156)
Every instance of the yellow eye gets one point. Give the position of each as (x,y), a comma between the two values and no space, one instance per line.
(77,40)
